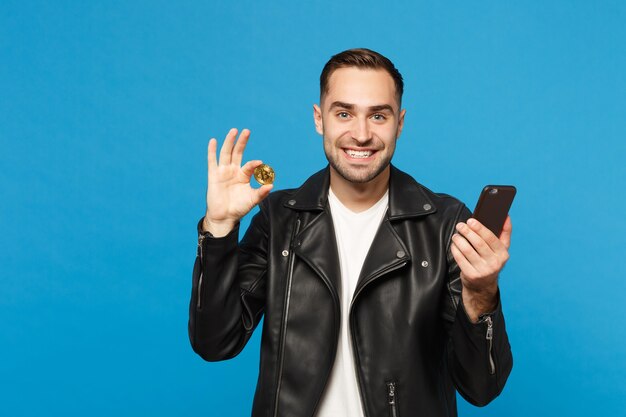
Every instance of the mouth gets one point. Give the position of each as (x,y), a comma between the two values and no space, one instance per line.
(359,153)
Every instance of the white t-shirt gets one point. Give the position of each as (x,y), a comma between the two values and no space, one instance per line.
(355,233)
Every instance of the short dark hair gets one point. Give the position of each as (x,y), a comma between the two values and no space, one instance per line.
(360,58)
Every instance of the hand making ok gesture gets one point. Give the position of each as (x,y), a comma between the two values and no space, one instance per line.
(229,195)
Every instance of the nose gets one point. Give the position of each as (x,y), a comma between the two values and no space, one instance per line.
(361,131)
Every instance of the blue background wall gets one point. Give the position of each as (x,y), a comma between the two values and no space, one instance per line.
(105,112)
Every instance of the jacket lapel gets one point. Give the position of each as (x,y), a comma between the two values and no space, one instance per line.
(317,246)
(387,253)
(407,200)
(316,243)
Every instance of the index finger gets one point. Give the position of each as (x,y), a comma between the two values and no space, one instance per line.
(507,229)
(487,235)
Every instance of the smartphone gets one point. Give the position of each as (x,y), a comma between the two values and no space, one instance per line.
(493,206)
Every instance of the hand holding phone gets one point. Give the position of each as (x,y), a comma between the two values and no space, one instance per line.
(479,255)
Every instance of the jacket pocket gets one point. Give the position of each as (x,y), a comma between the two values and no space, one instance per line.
(392,398)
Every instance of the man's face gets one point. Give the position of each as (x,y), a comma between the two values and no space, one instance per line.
(360,120)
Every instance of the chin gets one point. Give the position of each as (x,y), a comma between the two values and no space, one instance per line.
(358,176)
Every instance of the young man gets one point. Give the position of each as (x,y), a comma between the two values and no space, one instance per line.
(380,297)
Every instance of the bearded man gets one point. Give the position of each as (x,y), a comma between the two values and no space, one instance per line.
(379,297)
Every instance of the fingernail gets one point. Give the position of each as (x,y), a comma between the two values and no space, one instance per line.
(459,226)
(471,222)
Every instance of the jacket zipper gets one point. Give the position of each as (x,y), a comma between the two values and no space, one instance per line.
(200,241)
(354,349)
(383,272)
(489,337)
(283,329)
(392,399)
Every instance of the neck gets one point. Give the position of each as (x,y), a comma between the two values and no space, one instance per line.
(359,196)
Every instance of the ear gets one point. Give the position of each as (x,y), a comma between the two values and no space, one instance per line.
(401,122)
(317,118)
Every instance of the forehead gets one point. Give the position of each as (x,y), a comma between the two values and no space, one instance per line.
(363,87)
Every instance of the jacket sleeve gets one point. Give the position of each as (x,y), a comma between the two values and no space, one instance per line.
(228,290)
(478,354)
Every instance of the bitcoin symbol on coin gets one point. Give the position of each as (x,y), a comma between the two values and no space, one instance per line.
(264,174)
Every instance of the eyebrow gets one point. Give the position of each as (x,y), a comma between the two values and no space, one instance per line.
(382,107)
(348,106)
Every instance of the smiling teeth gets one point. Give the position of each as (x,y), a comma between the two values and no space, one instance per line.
(358,154)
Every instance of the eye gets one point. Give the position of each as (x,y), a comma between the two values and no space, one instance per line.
(343,115)
(379,117)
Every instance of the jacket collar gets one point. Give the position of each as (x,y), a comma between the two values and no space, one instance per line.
(407,198)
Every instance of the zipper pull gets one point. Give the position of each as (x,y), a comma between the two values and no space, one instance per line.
(489,327)
(200,240)
(391,399)
(489,337)
(199,299)
(391,392)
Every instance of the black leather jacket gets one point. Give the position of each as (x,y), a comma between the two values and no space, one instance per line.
(413,342)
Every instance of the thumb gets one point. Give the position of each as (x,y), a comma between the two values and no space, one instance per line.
(262,192)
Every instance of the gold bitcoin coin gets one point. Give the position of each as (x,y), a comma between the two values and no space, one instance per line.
(264,174)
